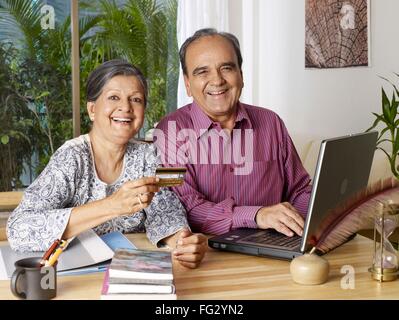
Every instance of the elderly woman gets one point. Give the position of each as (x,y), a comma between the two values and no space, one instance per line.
(103,180)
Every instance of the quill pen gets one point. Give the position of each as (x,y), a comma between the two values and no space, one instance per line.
(355,214)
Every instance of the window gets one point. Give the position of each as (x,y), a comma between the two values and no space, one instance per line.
(142,32)
(35,90)
(35,69)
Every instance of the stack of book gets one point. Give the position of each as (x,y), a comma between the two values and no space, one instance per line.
(139,275)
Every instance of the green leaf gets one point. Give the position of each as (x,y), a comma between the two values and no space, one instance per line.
(393,108)
(374,124)
(382,132)
(386,153)
(396,90)
(384,140)
(396,145)
(5,139)
(386,106)
(392,84)
(380,118)
(43,94)
(21,22)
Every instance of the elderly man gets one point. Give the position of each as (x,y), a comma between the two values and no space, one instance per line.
(268,187)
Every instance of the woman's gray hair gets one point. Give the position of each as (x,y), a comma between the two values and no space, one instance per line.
(106,71)
(205,33)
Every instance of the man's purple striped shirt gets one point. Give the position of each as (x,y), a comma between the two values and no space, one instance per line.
(218,200)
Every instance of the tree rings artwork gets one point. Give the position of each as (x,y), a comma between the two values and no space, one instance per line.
(336,33)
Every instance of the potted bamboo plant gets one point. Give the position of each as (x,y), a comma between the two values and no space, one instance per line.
(388,122)
(388,138)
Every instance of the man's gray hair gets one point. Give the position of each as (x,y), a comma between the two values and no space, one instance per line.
(205,33)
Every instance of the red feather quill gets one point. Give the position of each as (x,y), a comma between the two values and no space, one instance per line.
(355,214)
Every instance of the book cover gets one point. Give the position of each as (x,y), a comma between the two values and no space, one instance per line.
(141,264)
(104,289)
(117,240)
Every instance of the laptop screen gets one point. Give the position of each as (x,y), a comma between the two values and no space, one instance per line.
(343,169)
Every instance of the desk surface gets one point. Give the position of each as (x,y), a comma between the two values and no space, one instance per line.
(10,200)
(224,275)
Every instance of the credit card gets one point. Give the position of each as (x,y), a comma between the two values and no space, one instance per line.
(170,176)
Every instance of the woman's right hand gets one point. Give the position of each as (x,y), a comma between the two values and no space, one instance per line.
(133,196)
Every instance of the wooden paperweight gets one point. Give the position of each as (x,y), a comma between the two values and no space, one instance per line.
(309,269)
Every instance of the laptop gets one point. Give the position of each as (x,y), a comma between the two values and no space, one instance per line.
(343,169)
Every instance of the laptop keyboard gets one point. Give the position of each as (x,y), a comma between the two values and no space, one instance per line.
(272,237)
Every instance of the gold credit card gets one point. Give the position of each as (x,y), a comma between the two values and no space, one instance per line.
(170,176)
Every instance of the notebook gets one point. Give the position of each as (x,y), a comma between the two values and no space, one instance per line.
(86,253)
(113,240)
(343,169)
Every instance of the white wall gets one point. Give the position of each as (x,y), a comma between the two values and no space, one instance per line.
(313,103)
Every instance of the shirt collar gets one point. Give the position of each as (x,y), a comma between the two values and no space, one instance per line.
(200,120)
(202,123)
(242,114)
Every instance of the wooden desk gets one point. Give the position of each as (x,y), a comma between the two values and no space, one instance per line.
(10,200)
(226,275)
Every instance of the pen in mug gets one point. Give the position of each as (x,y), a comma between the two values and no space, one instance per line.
(49,252)
(56,254)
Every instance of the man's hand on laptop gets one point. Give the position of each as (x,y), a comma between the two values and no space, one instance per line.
(282,217)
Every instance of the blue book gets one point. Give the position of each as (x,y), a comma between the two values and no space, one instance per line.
(116,240)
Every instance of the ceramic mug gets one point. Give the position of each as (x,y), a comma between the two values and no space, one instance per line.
(33,282)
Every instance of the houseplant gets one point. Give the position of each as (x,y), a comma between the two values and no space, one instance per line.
(388,121)
(35,71)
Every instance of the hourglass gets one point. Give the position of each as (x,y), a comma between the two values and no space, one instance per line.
(385,261)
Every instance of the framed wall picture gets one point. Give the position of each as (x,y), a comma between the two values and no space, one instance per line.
(337,33)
